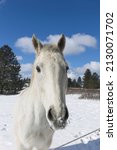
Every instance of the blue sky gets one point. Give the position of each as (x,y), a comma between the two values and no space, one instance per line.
(77,19)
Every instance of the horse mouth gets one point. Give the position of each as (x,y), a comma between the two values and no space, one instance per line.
(56,126)
(60,125)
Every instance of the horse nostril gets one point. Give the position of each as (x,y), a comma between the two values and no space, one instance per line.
(66,113)
(51,115)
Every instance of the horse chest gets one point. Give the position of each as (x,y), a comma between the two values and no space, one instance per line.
(39,137)
(39,129)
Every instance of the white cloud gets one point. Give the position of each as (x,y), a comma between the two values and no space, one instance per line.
(26,70)
(25,44)
(19,58)
(94,66)
(72,74)
(75,44)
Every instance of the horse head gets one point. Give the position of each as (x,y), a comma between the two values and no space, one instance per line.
(50,79)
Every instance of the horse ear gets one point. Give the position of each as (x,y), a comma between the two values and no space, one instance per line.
(37,44)
(61,43)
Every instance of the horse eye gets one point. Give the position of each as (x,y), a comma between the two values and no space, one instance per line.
(67,68)
(38,69)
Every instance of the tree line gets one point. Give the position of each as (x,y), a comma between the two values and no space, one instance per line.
(88,81)
(11,81)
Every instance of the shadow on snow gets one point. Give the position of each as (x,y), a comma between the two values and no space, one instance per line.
(91,145)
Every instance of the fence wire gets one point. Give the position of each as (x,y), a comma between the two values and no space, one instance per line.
(57,148)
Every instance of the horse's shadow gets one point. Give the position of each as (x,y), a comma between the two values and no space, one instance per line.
(91,145)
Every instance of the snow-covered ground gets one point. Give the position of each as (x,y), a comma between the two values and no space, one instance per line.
(84,117)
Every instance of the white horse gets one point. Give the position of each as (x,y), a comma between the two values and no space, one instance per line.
(42,108)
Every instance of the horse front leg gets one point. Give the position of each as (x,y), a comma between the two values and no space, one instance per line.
(20,147)
(40,149)
(43,149)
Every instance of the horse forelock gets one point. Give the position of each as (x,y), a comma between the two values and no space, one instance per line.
(52,52)
(52,48)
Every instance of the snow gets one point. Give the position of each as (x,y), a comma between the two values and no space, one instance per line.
(84,118)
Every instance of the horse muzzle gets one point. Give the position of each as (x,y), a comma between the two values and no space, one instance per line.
(60,121)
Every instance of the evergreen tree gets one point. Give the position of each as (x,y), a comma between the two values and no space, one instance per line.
(91,81)
(10,79)
(79,82)
(74,83)
(95,81)
(69,82)
(87,79)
